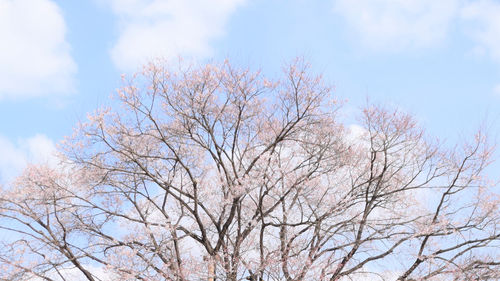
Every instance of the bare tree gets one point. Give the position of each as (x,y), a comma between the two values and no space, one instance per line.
(217,173)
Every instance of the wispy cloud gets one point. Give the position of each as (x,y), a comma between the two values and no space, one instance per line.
(159,28)
(392,25)
(496,90)
(15,156)
(483,18)
(34,54)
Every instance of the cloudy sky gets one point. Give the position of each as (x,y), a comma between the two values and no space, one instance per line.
(439,60)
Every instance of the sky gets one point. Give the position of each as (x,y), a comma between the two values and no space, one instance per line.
(439,60)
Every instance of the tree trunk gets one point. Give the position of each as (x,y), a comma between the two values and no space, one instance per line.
(211,268)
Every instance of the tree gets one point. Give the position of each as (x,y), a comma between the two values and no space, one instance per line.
(217,173)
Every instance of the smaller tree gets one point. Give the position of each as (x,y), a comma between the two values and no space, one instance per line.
(218,173)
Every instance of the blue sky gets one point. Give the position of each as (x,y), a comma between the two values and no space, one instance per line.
(439,60)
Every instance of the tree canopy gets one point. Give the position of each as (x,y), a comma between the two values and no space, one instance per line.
(215,172)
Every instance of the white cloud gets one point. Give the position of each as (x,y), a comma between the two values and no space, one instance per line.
(496,90)
(15,156)
(356,132)
(75,274)
(167,28)
(374,276)
(484,19)
(34,55)
(397,24)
